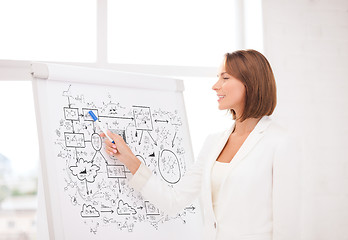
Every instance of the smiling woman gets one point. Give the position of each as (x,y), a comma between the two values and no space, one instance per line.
(257,192)
(247,77)
(230,90)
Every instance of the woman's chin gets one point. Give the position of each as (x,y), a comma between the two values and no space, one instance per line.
(222,108)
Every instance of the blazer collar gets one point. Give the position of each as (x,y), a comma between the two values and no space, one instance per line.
(261,126)
(249,142)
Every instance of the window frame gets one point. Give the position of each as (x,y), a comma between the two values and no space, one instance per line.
(19,70)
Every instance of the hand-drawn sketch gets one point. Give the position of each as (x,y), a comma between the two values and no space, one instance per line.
(96,184)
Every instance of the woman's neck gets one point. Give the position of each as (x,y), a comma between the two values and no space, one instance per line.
(245,127)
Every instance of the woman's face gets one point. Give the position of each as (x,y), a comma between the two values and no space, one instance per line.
(230,91)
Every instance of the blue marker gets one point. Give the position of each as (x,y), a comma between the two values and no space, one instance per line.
(95,119)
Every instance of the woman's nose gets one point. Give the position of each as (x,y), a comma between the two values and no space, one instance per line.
(216,86)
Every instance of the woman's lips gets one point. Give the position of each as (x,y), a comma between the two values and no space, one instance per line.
(220,97)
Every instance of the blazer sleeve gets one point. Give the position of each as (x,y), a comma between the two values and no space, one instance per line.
(287,195)
(169,199)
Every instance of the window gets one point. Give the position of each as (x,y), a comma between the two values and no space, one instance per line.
(184,33)
(48,30)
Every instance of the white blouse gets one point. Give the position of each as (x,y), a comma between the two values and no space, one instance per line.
(219,171)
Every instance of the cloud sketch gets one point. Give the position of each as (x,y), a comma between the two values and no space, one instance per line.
(85,170)
(89,211)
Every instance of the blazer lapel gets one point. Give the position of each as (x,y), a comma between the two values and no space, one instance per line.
(220,144)
(217,146)
(249,143)
(221,140)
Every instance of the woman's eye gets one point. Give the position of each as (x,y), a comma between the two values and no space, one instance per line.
(226,78)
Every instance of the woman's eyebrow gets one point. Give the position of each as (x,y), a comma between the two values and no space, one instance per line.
(221,74)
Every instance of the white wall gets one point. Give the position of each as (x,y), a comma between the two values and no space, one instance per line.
(306,42)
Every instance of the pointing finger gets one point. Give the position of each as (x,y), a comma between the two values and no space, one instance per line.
(110,144)
(111,150)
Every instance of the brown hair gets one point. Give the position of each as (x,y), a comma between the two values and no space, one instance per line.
(255,72)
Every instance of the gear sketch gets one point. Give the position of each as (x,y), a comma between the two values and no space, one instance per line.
(96,184)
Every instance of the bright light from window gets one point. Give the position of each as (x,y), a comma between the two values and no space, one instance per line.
(203,114)
(19,141)
(253,24)
(44,30)
(185,33)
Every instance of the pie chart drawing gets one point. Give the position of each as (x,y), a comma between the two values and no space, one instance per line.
(169,167)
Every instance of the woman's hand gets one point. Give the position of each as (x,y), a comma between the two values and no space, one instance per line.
(121,151)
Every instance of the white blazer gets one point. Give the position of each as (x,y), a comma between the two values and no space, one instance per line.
(260,196)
